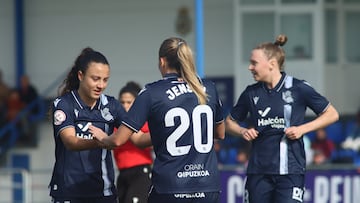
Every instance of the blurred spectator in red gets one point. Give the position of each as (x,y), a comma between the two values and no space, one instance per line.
(322,146)
(14,105)
(319,158)
(4,94)
(242,157)
(28,93)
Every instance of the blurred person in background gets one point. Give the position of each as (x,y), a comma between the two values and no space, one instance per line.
(322,147)
(319,158)
(28,94)
(4,94)
(14,106)
(242,157)
(134,163)
(352,140)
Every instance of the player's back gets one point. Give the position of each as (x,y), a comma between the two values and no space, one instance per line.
(182,136)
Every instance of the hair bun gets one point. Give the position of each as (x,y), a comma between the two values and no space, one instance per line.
(281,40)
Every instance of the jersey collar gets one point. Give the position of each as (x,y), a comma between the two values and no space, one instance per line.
(81,103)
(279,85)
(171,76)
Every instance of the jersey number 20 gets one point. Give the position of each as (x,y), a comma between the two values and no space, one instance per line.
(184,117)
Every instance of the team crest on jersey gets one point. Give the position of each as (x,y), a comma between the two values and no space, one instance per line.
(287,97)
(59,117)
(105,113)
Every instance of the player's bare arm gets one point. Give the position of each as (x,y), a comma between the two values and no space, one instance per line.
(116,139)
(234,128)
(71,142)
(329,116)
(141,139)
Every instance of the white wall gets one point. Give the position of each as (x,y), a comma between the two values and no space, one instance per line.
(342,87)
(7,45)
(129,33)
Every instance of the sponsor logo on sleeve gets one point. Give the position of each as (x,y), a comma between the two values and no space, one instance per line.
(59,117)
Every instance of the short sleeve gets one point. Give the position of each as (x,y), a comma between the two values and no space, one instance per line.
(63,115)
(315,101)
(139,112)
(240,111)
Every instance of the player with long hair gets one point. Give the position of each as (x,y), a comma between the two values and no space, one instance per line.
(83,170)
(185,115)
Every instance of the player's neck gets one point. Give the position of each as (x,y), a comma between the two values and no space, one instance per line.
(274,80)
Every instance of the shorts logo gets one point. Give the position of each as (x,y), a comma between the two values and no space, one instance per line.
(59,117)
(246,196)
(298,194)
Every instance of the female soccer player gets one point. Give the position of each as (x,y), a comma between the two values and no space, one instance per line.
(184,115)
(83,171)
(276,104)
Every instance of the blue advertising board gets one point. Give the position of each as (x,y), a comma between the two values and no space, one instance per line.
(321,186)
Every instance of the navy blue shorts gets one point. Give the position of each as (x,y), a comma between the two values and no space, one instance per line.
(274,188)
(195,197)
(109,199)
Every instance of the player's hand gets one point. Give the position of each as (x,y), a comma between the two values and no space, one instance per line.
(97,132)
(250,134)
(293,132)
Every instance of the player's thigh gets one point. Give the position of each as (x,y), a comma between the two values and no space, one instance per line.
(290,188)
(259,189)
(138,190)
(121,186)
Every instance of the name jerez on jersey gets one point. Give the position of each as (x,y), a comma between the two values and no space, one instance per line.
(178,90)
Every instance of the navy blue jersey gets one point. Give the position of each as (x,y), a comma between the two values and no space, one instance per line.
(181,132)
(271,111)
(86,173)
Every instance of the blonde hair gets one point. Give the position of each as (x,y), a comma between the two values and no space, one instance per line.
(274,50)
(179,56)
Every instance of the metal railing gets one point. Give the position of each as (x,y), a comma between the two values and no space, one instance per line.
(15,186)
(11,130)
